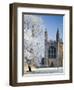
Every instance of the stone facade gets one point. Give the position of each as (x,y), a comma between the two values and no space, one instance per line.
(53,51)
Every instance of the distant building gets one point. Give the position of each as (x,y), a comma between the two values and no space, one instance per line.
(53,51)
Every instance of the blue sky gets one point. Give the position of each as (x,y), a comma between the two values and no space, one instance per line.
(52,22)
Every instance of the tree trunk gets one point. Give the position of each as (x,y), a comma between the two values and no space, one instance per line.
(29,68)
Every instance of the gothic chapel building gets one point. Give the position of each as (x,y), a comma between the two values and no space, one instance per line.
(53,51)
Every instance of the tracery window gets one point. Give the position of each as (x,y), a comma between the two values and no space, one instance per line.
(52,52)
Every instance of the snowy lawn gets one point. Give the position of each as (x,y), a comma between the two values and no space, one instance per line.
(45,70)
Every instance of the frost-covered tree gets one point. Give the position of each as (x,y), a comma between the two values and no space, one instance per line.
(33,39)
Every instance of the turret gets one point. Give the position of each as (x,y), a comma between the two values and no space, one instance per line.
(57,45)
(57,36)
(46,48)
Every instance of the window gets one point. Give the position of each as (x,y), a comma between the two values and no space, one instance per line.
(52,52)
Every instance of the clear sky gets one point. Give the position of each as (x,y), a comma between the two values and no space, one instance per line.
(52,22)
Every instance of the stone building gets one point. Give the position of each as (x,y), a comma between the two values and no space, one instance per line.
(53,51)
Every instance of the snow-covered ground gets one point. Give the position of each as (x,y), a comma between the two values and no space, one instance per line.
(45,71)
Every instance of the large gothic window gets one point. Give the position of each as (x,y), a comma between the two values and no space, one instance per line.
(52,52)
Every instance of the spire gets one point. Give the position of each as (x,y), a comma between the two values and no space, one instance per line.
(57,35)
(46,34)
(45,30)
